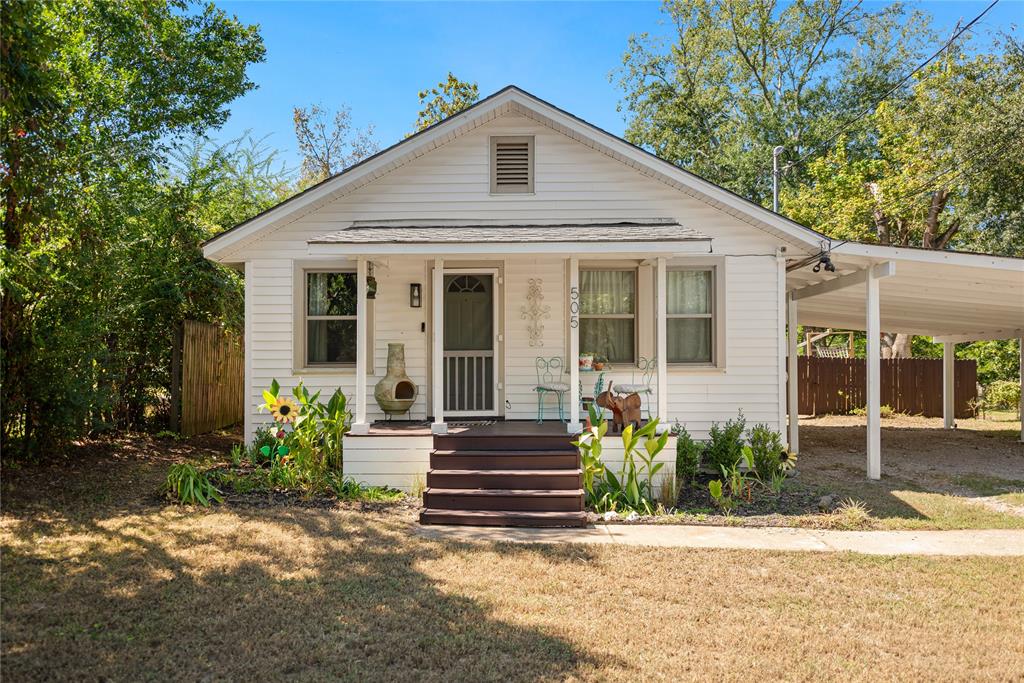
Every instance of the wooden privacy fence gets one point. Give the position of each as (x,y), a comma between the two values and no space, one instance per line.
(909,385)
(207,378)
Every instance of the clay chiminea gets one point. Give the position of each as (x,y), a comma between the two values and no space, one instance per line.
(395,393)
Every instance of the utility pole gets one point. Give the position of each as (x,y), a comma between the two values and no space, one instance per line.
(775,177)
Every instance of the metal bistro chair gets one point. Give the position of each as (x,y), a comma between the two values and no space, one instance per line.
(549,371)
(646,367)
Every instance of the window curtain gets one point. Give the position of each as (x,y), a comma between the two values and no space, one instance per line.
(331,294)
(608,292)
(689,293)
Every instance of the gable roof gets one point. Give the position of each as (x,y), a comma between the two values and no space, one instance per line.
(514,99)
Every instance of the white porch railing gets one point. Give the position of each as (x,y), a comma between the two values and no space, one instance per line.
(469,383)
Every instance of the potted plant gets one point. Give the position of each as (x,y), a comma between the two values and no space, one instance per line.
(599,362)
(586,361)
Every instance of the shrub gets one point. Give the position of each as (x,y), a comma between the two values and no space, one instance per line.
(725,447)
(263,436)
(766,449)
(851,515)
(189,485)
(1002,394)
(884,412)
(688,456)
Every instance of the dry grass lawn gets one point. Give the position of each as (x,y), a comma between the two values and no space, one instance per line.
(931,478)
(274,594)
(101,580)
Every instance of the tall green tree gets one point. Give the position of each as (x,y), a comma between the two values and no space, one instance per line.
(329,146)
(93,94)
(937,167)
(739,77)
(447,99)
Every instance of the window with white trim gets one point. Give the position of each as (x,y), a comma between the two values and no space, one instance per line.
(608,313)
(691,317)
(330,309)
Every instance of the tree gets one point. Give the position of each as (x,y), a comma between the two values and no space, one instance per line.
(329,147)
(93,95)
(743,76)
(937,167)
(449,98)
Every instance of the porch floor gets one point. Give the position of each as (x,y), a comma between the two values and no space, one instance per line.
(508,428)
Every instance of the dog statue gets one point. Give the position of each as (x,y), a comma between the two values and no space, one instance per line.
(625,409)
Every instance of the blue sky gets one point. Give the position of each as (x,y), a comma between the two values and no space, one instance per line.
(375,56)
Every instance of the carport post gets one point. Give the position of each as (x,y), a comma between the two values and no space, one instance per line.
(874,352)
(948,385)
(792,376)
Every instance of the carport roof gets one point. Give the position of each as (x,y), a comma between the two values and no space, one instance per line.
(952,295)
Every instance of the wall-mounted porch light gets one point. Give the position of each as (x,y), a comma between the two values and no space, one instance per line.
(415,295)
(371,285)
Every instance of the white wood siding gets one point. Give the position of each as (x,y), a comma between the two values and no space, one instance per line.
(572,182)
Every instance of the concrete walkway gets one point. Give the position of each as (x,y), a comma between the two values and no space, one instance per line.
(970,542)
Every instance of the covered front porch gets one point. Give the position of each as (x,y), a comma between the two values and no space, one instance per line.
(501,330)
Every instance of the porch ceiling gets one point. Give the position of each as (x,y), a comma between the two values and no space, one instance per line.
(930,293)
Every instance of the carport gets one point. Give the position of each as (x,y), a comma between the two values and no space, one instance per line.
(950,296)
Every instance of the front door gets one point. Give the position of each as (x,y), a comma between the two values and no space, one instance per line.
(470,386)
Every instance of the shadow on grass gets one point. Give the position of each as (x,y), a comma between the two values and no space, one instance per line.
(300,594)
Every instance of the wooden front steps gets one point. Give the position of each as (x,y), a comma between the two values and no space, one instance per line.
(494,479)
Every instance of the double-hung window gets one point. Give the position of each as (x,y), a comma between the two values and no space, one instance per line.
(330,318)
(608,314)
(691,325)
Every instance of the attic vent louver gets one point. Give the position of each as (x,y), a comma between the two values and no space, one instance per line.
(511,165)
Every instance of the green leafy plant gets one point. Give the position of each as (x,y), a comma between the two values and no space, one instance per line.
(189,485)
(632,488)
(1003,394)
(262,437)
(725,502)
(589,445)
(688,455)
(725,446)
(237,454)
(347,488)
(766,448)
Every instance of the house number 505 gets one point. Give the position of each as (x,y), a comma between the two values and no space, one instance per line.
(574,307)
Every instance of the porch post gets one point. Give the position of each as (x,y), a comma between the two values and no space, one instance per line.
(1021,406)
(661,343)
(948,384)
(437,348)
(792,376)
(573,360)
(360,426)
(874,352)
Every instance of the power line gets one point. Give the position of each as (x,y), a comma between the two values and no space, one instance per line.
(893,89)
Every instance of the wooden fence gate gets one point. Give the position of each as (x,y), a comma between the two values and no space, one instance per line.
(836,386)
(207,378)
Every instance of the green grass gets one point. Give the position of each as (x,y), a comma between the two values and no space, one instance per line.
(985,485)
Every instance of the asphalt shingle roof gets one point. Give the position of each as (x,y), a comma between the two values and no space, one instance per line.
(619,231)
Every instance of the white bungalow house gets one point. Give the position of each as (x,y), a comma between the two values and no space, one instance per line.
(514,232)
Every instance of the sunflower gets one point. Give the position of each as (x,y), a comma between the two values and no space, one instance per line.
(284,410)
(787,460)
